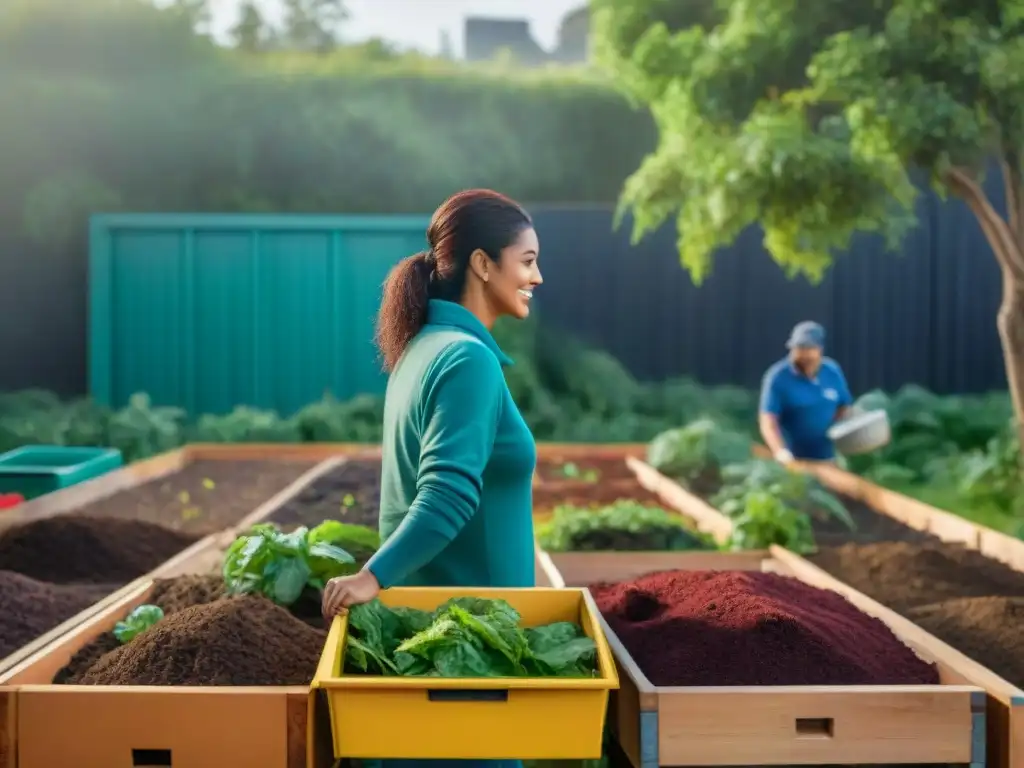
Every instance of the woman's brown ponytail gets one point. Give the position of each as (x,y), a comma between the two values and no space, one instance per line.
(403,308)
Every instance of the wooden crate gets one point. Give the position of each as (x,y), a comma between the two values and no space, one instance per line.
(201,556)
(48,725)
(776,725)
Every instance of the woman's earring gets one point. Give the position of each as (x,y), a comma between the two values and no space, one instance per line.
(485,277)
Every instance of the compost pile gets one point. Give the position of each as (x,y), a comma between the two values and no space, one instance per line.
(723,628)
(205,639)
(54,568)
(970,601)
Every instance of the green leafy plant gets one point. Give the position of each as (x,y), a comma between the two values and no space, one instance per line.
(796,490)
(465,637)
(765,519)
(137,622)
(625,525)
(993,476)
(282,565)
(571,471)
(696,454)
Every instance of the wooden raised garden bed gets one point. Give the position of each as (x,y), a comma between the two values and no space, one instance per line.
(69,554)
(48,725)
(51,724)
(776,725)
(951,594)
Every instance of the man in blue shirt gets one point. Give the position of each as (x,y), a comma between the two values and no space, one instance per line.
(803,395)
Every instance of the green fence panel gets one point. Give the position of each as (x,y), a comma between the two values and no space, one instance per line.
(207,312)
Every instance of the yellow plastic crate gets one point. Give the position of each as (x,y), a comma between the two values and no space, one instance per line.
(471,718)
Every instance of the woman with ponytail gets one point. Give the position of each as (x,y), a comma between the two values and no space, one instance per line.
(458,459)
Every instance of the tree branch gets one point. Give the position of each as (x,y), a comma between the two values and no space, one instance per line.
(1002,239)
(1014,185)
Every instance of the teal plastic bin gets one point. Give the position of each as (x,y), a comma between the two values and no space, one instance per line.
(35,470)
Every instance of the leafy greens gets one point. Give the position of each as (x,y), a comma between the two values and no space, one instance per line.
(137,622)
(282,565)
(465,637)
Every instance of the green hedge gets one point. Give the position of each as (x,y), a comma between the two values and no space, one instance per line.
(128,111)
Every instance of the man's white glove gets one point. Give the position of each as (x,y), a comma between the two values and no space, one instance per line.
(784,456)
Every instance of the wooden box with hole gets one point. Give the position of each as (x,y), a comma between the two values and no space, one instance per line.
(774,725)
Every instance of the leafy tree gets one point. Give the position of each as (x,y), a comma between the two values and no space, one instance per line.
(250,32)
(811,117)
(196,13)
(313,25)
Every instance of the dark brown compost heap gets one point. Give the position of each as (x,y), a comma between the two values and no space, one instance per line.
(983,627)
(205,638)
(74,548)
(235,641)
(903,575)
(709,628)
(970,601)
(31,608)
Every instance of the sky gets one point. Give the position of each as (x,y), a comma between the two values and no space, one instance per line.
(419,23)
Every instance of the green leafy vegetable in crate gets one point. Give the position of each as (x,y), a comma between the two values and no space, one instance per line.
(137,622)
(282,565)
(465,637)
(624,526)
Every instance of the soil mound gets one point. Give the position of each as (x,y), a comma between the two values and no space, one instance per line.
(30,608)
(240,641)
(989,630)
(74,548)
(749,628)
(182,592)
(898,574)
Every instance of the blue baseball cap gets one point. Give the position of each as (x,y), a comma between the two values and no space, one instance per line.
(807,334)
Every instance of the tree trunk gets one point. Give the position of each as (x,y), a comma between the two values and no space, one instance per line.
(1010,322)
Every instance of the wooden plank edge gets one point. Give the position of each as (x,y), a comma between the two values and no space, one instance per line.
(71,499)
(278,500)
(280,451)
(707,518)
(944,524)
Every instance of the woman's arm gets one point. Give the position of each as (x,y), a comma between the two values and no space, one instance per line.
(462,409)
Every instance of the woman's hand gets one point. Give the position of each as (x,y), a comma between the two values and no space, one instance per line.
(342,592)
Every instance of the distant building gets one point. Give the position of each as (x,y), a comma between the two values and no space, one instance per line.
(487,38)
(574,37)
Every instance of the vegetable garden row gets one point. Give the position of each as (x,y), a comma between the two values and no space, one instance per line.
(176,621)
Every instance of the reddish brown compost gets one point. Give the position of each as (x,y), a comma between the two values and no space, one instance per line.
(723,628)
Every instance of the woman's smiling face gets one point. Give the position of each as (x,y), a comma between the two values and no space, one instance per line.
(512,279)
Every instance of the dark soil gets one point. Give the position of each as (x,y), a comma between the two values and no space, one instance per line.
(31,608)
(72,548)
(351,493)
(204,497)
(707,628)
(904,576)
(972,602)
(548,496)
(986,627)
(236,641)
(871,526)
(555,469)
(208,639)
